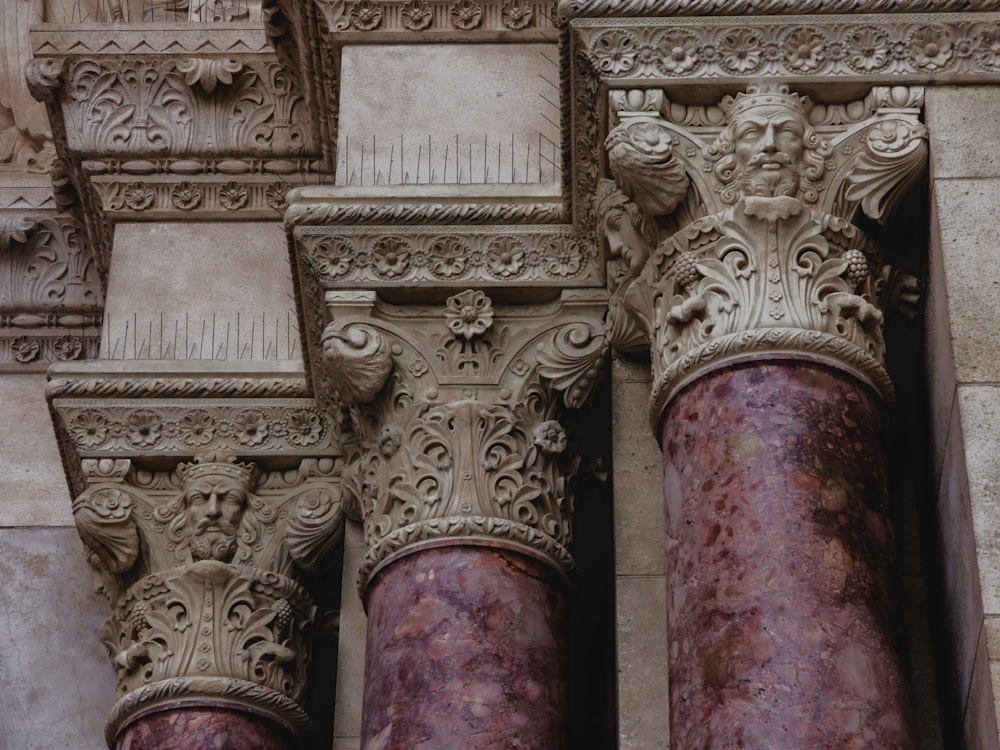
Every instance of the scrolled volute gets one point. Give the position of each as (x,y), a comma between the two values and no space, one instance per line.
(358,359)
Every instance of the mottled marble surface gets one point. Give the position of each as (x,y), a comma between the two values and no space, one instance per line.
(202,728)
(465,652)
(779,559)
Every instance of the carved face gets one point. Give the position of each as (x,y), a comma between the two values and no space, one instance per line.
(215,506)
(769,148)
(624,238)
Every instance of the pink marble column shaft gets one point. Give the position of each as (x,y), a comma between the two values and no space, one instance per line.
(779,559)
(202,728)
(465,652)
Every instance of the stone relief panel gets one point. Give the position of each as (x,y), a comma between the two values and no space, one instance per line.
(180,107)
(454,16)
(755,249)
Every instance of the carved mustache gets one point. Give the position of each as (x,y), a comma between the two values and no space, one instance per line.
(778,157)
(219,523)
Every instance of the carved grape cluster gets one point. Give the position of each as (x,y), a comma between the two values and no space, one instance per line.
(282,615)
(137,617)
(686,270)
(857,267)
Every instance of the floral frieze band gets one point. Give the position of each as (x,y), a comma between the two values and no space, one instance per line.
(909,47)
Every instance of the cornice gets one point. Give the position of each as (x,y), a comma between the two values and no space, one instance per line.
(95,40)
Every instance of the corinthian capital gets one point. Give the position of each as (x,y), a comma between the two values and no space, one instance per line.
(200,565)
(761,255)
(464,440)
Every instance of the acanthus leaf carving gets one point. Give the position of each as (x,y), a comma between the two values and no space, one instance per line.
(15,229)
(209,72)
(103,517)
(763,244)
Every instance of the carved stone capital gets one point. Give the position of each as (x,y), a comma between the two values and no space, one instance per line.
(199,564)
(461,440)
(760,256)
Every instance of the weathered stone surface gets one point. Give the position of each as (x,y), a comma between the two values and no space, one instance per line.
(979,722)
(795,648)
(979,409)
(954,116)
(970,233)
(464,651)
(351,652)
(641,602)
(213,290)
(32,486)
(57,685)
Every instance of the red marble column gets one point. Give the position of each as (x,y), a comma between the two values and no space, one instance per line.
(779,559)
(465,652)
(202,728)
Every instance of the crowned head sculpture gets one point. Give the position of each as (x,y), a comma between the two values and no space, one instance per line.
(768,148)
(212,513)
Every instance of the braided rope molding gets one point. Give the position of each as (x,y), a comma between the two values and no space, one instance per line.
(299,214)
(192,690)
(766,343)
(178,388)
(626,8)
(494,530)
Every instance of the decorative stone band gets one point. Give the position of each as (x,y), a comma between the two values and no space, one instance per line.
(302,212)
(472,530)
(918,48)
(671,8)
(210,691)
(766,343)
(346,257)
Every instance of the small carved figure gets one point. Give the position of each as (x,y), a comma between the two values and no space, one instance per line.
(215,512)
(768,148)
(626,229)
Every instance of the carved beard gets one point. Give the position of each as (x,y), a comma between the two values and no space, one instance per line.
(216,544)
(770,183)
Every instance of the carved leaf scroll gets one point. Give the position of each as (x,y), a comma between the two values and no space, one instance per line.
(358,360)
(103,518)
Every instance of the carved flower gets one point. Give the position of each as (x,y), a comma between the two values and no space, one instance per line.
(448,257)
(143,428)
(988,47)
(416,15)
(868,49)
(138,196)
(676,52)
(67,347)
(466,14)
(741,51)
(274,195)
(392,257)
(186,196)
(616,51)
(251,427)
(417,368)
(563,257)
(930,48)
(506,257)
(804,50)
(366,15)
(515,14)
(304,428)
(25,348)
(469,314)
(233,196)
(197,428)
(332,257)
(89,428)
(550,437)
(389,439)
